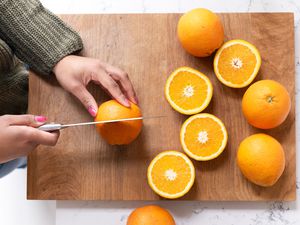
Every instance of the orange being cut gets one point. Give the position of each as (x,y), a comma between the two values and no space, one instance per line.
(118,133)
(171,174)
(203,136)
(188,91)
(237,63)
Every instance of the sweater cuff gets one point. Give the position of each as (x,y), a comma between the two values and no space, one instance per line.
(66,47)
(37,36)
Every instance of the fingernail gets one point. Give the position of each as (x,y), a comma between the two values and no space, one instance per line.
(40,119)
(92,111)
(126,102)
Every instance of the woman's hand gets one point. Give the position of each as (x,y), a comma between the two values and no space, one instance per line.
(75,72)
(18,135)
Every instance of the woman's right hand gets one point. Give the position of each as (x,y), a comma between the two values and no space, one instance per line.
(19,136)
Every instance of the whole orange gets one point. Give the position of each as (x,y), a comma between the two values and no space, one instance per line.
(200,32)
(266,104)
(150,215)
(261,159)
(118,133)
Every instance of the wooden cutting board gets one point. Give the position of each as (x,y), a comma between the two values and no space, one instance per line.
(82,166)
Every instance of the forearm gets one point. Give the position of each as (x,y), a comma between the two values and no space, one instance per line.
(38,37)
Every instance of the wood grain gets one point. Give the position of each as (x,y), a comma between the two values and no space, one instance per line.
(82,166)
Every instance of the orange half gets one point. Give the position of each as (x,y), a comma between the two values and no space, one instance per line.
(188,91)
(237,63)
(171,174)
(203,136)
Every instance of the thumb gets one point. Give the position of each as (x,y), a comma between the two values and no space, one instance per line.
(86,99)
(27,120)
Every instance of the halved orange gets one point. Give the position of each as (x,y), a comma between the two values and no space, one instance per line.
(203,136)
(188,91)
(171,174)
(237,63)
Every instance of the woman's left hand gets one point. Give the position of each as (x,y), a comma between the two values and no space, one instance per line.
(75,72)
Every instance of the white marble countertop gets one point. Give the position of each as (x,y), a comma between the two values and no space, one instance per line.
(192,213)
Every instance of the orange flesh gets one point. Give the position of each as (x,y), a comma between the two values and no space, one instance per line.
(215,136)
(182,80)
(232,74)
(179,166)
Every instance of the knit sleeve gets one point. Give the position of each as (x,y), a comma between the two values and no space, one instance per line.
(37,37)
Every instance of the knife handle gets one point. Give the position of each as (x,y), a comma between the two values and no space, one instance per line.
(50,127)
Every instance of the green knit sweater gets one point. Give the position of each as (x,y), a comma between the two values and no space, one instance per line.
(37,37)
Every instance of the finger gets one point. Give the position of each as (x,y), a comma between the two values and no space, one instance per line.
(28,120)
(114,89)
(123,78)
(86,99)
(42,137)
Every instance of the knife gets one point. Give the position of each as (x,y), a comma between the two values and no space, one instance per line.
(58,126)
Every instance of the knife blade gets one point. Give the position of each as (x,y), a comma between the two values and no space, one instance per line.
(58,126)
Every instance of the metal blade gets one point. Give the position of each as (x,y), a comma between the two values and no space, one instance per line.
(110,121)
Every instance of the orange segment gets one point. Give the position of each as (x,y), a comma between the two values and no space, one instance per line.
(171,174)
(203,136)
(188,91)
(237,63)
